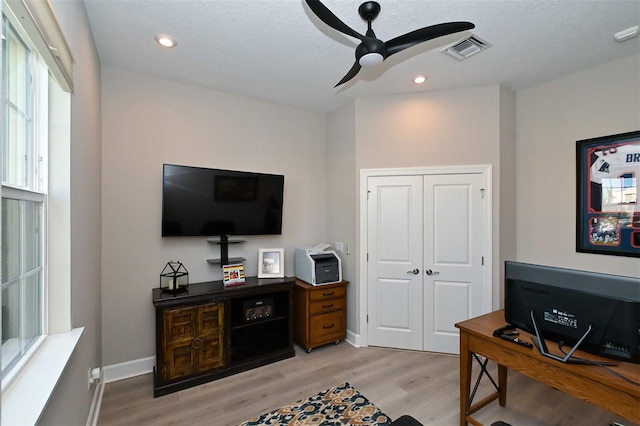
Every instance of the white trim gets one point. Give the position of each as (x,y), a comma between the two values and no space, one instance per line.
(58,243)
(353,339)
(14,372)
(15,193)
(125,370)
(113,373)
(36,382)
(96,404)
(487,230)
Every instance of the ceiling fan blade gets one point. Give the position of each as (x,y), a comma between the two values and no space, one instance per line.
(405,41)
(330,19)
(352,73)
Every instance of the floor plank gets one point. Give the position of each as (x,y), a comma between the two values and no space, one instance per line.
(424,385)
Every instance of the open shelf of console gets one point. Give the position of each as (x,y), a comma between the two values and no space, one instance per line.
(209,331)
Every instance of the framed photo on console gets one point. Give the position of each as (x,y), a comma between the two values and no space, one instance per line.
(608,195)
(271,263)
(233,274)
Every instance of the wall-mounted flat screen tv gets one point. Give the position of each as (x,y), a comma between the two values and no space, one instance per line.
(199,201)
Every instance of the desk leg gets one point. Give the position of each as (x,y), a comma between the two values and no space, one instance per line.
(502,385)
(465,377)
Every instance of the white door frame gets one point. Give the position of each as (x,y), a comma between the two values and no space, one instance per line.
(487,232)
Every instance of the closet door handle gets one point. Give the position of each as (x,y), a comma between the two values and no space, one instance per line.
(415,271)
(430,272)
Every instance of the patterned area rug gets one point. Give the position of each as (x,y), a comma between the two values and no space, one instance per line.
(340,405)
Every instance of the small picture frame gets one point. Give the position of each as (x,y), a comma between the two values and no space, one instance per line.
(271,263)
(233,274)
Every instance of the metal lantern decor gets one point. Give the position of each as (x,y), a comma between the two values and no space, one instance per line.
(174,277)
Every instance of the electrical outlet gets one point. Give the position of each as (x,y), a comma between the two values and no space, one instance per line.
(339,247)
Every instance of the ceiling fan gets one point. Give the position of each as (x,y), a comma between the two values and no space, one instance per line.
(371,50)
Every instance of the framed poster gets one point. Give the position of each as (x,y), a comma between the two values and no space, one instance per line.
(271,263)
(608,199)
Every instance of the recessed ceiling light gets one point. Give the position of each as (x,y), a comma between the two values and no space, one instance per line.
(420,79)
(166,40)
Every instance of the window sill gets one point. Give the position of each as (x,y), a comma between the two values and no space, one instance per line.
(35,384)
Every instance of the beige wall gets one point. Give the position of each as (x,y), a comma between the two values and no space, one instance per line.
(69,405)
(342,193)
(148,122)
(601,101)
(442,128)
(505,179)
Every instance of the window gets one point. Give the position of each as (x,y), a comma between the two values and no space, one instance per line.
(24,199)
(35,278)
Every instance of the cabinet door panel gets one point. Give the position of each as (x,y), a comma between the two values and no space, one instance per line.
(210,354)
(179,324)
(180,359)
(210,318)
(211,335)
(193,339)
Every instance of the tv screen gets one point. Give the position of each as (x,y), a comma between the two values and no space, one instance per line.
(199,201)
(566,303)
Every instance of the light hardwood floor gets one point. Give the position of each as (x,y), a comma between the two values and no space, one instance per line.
(421,384)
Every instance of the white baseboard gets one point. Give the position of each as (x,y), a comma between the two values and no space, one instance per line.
(96,403)
(353,339)
(125,370)
(113,373)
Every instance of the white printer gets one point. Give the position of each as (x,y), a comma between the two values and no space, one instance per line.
(318,266)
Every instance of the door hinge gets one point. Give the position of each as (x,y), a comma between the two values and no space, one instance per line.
(367,318)
(482,260)
(368,193)
(367,257)
(481,192)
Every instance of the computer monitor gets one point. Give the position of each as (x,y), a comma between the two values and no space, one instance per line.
(598,313)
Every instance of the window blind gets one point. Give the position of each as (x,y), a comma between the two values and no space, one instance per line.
(39,21)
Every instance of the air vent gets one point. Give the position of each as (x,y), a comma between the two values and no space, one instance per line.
(466,47)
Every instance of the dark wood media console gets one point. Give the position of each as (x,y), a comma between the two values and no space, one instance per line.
(208,331)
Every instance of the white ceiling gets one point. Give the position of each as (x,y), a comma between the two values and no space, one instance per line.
(279,51)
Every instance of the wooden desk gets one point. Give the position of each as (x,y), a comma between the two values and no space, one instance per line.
(589,383)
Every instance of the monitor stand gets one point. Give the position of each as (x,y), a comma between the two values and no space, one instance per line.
(567,359)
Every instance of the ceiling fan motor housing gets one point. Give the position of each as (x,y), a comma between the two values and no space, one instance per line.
(369,10)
